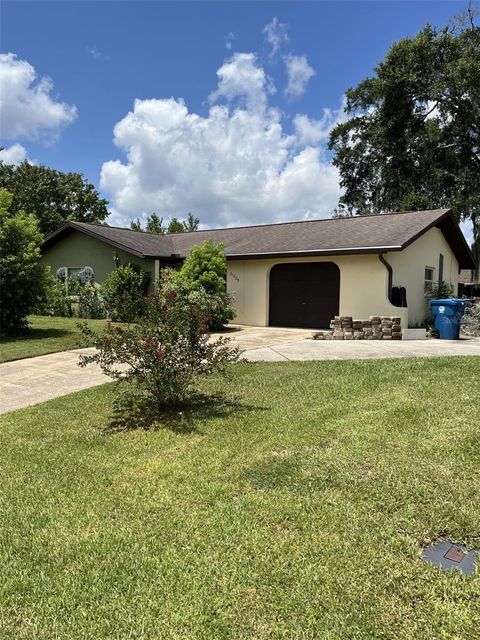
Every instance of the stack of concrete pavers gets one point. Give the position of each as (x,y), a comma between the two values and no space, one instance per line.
(342,327)
(382,328)
(388,326)
(375,328)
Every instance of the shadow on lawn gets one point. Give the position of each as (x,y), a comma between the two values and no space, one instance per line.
(183,419)
(35,334)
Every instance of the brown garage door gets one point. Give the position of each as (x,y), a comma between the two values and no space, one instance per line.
(304,294)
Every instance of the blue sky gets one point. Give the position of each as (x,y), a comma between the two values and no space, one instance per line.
(259,156)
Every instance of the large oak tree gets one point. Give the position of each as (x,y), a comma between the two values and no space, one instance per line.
(412,137)
(52,196)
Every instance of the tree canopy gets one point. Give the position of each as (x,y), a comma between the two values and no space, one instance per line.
(191,223)
(51,196)
(154,224)
(412,137)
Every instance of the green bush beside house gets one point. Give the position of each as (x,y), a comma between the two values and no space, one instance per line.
(120,296)
(123,292)
(205,268)
(24,281)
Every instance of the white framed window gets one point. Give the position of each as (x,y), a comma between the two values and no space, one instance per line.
(429,278)
(84,274)
(62,273)
(88,274)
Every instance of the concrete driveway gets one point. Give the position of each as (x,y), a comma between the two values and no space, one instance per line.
(262,337)
(363,349)
(27,382)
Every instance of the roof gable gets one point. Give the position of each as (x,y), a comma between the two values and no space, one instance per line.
(359,234)
(137,243)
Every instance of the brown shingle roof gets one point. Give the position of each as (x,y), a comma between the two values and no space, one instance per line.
(359,234)
(137,242)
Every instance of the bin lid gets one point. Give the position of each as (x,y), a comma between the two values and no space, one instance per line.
(448,301)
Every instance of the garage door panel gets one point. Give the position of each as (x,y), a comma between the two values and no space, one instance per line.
(288,279)
(304,294)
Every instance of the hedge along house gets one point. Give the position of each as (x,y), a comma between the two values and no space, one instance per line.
(295,274)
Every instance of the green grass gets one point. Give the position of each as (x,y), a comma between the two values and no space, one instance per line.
(296,511)
(44,335)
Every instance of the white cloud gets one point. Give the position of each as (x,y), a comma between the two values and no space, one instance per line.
(15,154)
(27,108)
(299,72)
(310,131)
(235,165)
(241,77)
(276,35)
(229,38)
(96,53)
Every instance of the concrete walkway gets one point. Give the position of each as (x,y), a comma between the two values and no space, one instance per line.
(27,382)
(34,380)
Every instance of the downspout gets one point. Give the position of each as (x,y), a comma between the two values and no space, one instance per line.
(388,267)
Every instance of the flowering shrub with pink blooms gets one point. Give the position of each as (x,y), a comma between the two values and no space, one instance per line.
(158,359)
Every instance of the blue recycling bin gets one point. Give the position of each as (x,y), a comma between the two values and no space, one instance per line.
(447,314)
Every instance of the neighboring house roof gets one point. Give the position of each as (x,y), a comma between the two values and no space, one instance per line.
(358,234)
(467,276)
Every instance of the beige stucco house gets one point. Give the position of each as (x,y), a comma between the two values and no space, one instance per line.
(297,273)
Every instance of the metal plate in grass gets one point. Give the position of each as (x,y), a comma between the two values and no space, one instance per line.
(447,556)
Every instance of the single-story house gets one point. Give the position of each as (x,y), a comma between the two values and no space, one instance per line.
(294,274)
(469,283)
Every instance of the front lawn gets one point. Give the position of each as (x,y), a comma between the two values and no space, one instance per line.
(297,510)
(44,335)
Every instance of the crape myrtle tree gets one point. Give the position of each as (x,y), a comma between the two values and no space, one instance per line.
(52,196)
(411,139)
(159,360)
